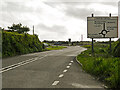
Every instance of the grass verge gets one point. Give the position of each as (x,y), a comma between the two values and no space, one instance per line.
(55,47)
(102,65)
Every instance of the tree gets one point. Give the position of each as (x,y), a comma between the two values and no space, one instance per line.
(19,28)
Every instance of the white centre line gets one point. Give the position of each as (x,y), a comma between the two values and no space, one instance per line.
(20,64)
(65,71)
(68,67)
(70,63)
(61,75)
(55,83)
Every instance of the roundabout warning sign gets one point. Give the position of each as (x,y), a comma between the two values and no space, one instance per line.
(102,27)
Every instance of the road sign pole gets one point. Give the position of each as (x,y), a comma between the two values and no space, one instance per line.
(110,38)
(92,45)
(110,45)
(92,40)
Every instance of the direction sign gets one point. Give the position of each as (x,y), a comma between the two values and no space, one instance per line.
(102,27)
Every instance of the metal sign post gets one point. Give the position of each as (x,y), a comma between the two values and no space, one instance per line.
(110,38)
(92,41)
(69,41)
(110,46)
(92,45)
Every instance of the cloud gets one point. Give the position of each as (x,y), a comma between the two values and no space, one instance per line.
(60,30)
(81,10)
(17,7)
(55,32)
(53,20)
(82,13)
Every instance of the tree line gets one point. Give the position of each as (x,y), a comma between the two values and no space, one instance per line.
(18,28)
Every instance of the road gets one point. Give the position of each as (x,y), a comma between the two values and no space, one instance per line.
(49,69)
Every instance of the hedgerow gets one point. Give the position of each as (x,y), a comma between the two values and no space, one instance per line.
(17,44)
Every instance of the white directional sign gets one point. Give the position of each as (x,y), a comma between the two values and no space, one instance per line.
(102,27)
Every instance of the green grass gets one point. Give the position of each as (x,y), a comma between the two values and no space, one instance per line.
(86,46)
(101,64)
(55,47)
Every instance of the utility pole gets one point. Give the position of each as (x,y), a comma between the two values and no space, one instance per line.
(33,29)
(81,39)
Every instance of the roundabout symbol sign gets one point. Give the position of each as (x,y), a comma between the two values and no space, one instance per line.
(102,27)
(104,32)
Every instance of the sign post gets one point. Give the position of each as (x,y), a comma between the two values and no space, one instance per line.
(110,46)
(92,41)
(69,41)
(102,27)
(110,38)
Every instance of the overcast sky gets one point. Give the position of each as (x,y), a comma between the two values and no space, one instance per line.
(55,19)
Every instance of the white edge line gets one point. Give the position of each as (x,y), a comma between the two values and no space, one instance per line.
(79,62)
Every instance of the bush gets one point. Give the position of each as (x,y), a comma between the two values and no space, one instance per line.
(116,50)
(16,44)
(102,64)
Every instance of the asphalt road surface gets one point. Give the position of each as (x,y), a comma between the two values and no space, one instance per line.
(49,69)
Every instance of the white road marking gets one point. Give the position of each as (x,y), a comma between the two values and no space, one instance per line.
(61,75)
(65,71)
(20,64)
(77,85)
(55,83)
(15,64)
(70,63)
(68,67)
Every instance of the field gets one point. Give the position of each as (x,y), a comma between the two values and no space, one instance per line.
(55,47)
(103,64)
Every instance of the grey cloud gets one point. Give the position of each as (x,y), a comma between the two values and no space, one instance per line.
(14,7)
(52,4)
(55,32)
(81,13)
(19,7)
(115,4)
(60,30)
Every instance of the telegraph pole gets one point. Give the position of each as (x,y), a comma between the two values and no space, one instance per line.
(81,39)
(33,29)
